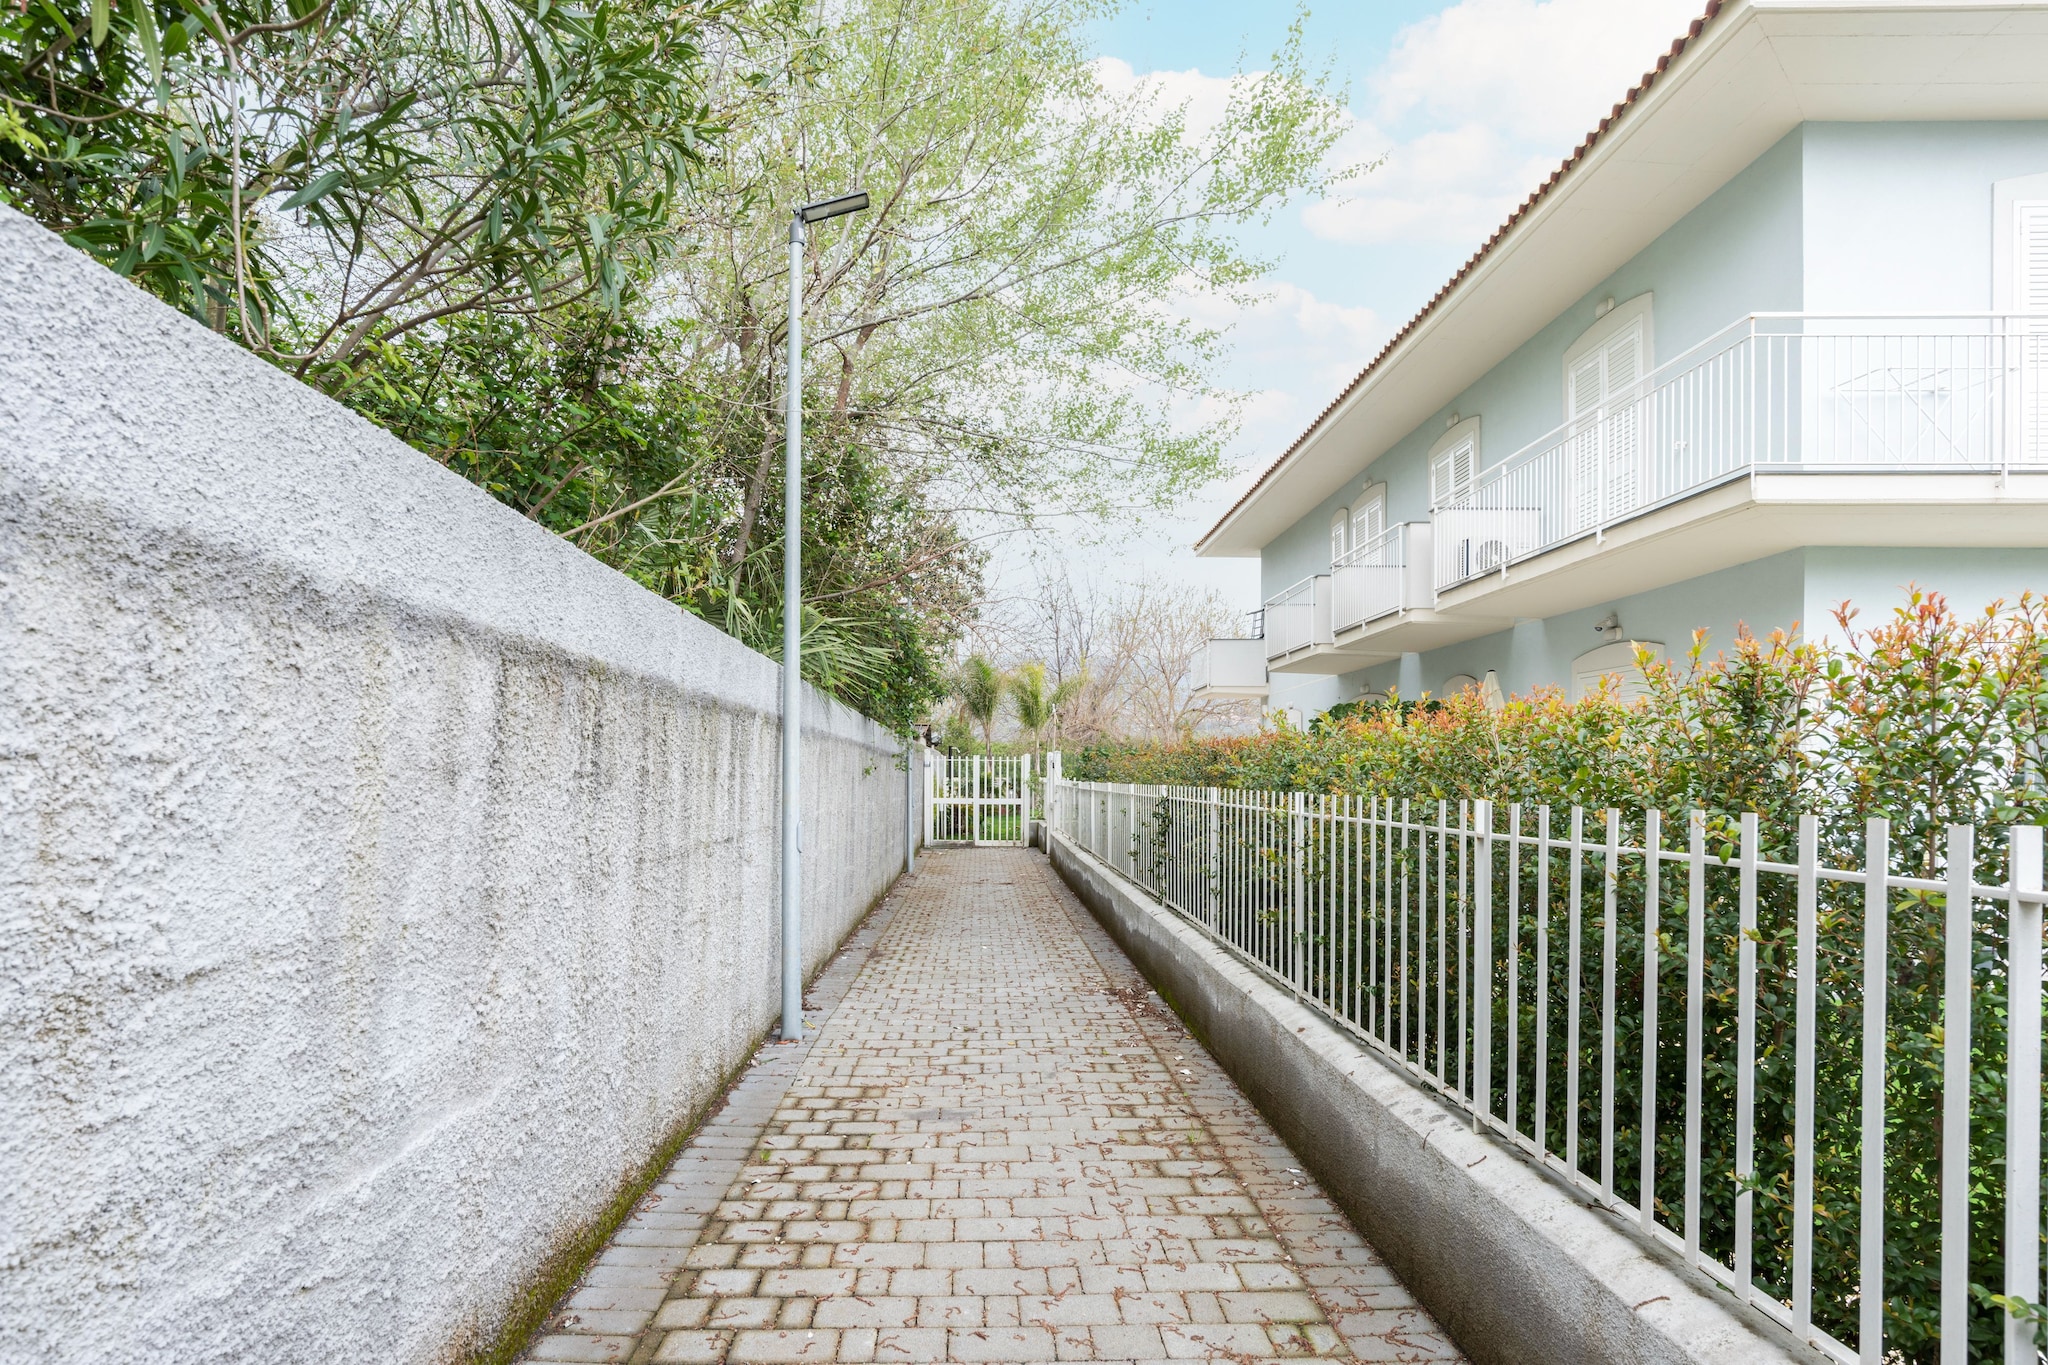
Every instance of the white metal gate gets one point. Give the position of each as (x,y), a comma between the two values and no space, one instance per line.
(978,799)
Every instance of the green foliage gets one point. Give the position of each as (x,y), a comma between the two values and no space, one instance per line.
(1927,720)
(310,174)
(979,687)
(594,427)
(545,244)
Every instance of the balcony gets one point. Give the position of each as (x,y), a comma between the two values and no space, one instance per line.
(1383,600)
(1785,430)
(1232,668)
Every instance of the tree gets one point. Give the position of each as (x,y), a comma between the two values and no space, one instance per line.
(979,687)
(998,331)
(1125,657)
(1036,704)
(319,176)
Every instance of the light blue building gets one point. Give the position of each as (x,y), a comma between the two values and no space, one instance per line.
(1776,336)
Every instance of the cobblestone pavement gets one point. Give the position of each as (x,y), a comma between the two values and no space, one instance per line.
(999,1147)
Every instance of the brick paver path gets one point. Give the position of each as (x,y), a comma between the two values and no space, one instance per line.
(998,1148)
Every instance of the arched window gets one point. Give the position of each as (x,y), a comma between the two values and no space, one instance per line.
(1454,463)
(1369,516)
(1616,661)
(1340,529)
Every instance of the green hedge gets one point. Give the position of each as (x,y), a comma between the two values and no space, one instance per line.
(1928,719)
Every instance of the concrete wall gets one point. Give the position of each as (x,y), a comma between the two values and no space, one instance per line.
(381,878)
(1516,1266)
(1899,215)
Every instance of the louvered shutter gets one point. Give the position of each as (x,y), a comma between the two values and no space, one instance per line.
(1450,474)
(1585,386)
(1338,524)
(1623,436)
(2030,289)
(1369,521)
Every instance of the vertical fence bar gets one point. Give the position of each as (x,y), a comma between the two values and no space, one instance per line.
(1514,1094)
(1745,1064)
(1482,964)
(1443,974)
(1386,923)
(2023,1091)
(1955,1103)
(1464,944)
(1571,1018)
(1695,1021)
(1421,989)
(1805,1002)
(1296,836)
(1369,918)
(1407,867)
(1542,980)
(1610,875)
(1653,845)
(1876,948)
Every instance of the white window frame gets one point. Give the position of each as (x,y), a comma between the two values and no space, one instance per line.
(1459,434)
(2007,197)
(1619,319)
(1375,495)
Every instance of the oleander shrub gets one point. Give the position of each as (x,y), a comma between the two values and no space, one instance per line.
(1927,719)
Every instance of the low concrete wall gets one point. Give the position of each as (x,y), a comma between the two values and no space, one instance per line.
(381,878)
(1513,1265)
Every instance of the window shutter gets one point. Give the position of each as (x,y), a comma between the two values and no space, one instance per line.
(1338,525)
(2030,259)
(2030,297)
(1369,521)
(1450,474)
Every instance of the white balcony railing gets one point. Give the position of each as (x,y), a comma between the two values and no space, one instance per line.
(1386,574)
(1299,617)
(1231,666)
(1778,392)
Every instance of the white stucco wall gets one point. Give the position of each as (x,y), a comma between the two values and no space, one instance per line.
(380,877)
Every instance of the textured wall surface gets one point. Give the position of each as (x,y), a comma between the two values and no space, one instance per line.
(380,877)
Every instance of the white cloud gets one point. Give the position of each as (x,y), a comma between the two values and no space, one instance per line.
(1478,103)
(1204,98)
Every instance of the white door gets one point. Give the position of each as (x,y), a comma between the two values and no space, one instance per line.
(1602,388)
(2030,290)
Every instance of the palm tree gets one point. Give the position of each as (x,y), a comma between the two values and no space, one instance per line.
(979,685)
(1036,707)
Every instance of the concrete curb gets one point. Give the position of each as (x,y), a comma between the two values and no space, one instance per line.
(1514,1265)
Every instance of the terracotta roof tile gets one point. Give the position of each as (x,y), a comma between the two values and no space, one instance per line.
(1636,92)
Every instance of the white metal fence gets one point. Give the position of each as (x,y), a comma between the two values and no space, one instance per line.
(1773,391)
(1819,1084)
(1298,617)
(978,799)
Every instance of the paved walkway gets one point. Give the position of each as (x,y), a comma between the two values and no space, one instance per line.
(999,1147)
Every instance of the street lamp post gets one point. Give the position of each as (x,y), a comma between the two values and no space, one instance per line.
(792,619)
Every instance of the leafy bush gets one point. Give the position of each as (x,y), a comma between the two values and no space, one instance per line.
(1928,719)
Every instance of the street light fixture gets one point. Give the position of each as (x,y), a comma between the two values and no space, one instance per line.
(792,617)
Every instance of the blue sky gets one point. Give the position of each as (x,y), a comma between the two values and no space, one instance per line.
(1473,102)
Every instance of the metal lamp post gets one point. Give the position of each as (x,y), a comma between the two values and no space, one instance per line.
(792,619)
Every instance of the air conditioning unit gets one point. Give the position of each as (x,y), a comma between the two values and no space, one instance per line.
(1487,555)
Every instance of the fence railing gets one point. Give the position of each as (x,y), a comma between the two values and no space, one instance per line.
(978,799)
(1819,1084)
(1381,576)
(1298,617)
(1772,391)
